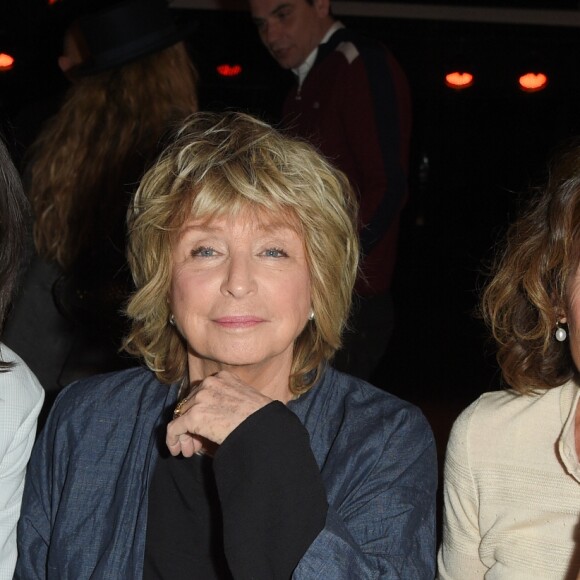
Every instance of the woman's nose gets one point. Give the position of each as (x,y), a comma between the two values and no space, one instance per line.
(239,277)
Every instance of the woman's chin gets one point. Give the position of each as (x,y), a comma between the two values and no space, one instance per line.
(240,356)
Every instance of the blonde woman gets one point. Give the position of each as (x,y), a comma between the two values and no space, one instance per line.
(244,251)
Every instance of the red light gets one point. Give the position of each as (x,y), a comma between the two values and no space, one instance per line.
(533,82)
(51,2)
(229,70)
(459,80)
(6,62)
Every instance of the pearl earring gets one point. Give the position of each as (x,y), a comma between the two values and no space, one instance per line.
(311,315)
(561,333)
(172,320)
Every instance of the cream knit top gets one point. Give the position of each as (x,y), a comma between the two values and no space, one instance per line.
(512,489)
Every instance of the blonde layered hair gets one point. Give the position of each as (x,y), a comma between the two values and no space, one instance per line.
(530,290)
(221,165)
(106,132)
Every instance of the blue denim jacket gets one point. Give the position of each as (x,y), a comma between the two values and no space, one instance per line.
(84,510)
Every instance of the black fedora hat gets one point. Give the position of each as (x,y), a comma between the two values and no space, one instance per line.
(126,31)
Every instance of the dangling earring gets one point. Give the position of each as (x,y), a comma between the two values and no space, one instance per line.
(560,333)
(311,315)
(172,320)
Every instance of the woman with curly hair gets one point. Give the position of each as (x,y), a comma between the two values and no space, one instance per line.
(512,472)
(132,81)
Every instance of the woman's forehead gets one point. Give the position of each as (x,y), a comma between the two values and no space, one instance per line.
(254,217)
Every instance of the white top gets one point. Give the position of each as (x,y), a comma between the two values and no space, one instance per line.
(512,489)
(21,398)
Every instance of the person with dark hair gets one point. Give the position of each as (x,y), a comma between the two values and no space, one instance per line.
(132,80)
(512,471)
(352,101)
(21,395)
(244,251)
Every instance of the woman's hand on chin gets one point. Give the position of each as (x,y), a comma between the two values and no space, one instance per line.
(214,409)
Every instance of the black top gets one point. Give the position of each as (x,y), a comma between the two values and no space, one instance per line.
(250,512)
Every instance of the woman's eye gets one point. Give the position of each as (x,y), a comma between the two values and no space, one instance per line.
(275,253)
(203,252)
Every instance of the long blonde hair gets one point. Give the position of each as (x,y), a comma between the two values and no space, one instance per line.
(90,155)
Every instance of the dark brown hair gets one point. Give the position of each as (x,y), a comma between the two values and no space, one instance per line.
(14,213)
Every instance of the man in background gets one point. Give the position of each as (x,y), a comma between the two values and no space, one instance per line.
(352,101)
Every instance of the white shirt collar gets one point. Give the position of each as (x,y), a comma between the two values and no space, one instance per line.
(302,71)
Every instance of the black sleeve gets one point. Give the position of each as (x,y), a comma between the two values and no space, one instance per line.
(271,492)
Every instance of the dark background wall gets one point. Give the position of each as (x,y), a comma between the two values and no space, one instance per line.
(475,154)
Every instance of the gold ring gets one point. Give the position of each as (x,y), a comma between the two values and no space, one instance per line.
(178,408)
